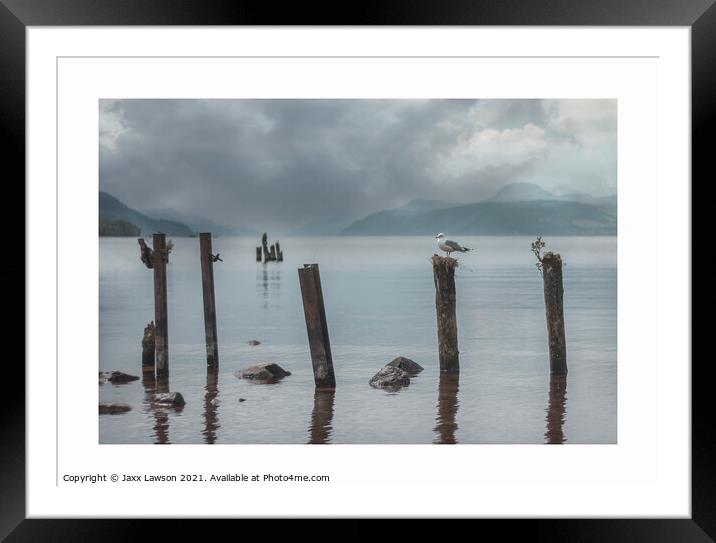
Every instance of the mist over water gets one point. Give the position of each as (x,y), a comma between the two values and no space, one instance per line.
(380,304)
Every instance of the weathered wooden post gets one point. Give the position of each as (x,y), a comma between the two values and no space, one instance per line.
(553,294)
(444,276)
(279,253)
(159,265)
(148,348)
(316,326)
(258,254)
(207,286)
(264,247)
(272,252)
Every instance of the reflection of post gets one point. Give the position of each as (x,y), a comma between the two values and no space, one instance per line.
(556,409)
(207,287)
(445,424)
(322,417)
(210,401)
(161,418)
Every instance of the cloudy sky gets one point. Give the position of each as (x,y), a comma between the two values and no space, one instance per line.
(286,163)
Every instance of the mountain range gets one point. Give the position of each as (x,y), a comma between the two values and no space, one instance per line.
(111,209)
(516,209)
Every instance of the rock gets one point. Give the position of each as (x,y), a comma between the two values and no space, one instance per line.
(242,399)
(170,398)
(116,377)
(406,365)
(108,408)
(268,371)
(253,342)
(390,378)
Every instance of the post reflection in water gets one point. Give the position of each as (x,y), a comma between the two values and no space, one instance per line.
(445,424)
(269,283)
(211,420)
(153,386)
(556,410)
(322,417)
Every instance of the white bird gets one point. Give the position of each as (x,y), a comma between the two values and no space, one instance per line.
(449,246)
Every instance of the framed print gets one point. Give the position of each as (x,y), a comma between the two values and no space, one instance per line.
(432,240)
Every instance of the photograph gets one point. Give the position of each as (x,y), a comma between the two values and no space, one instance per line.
(358,271)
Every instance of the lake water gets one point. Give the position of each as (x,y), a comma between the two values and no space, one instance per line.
(380,304)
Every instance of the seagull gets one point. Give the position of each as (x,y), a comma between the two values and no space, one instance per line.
(449,246)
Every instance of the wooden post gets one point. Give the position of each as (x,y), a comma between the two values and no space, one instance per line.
(159,244)
(553,294)
(279,253)
(264,247)
(316,326)
(258,254)
(272,252)
(444,275)
(207,286)
(148,348)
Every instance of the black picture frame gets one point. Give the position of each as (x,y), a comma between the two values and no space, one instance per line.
(16,15)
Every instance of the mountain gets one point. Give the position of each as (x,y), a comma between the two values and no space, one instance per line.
(522,192)
(200,224)
(544,214)
(111,209)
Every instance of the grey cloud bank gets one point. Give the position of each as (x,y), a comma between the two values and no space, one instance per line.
(283,164)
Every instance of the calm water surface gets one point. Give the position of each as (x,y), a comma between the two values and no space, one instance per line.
(379,298)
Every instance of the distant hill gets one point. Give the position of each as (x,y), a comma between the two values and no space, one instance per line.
(200,224)
(111,209)
(540,213)
(522,192)
(118,229)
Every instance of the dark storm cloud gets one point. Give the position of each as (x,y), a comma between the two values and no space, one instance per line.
(284,163)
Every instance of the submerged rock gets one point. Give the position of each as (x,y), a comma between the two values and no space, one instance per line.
(406,365)
(109,408)
(268,371)
(390,378)
(242,399)
(170,398)
(116,377)
(253,342)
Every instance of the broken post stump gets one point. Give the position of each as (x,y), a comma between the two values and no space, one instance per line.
(444,276)
(272,253)
(159,243)
(207,287)
(145,253)
(279,253)
(553,297)
(316,326)
(258,254)
(148,348)
(264,246)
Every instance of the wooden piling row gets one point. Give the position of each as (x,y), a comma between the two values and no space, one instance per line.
(316,326)
(207,287)
(155,342)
